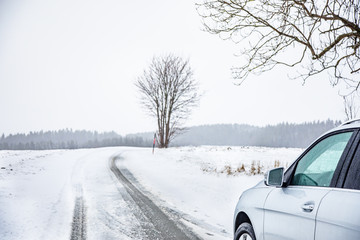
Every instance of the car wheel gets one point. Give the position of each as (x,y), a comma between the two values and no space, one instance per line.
(245,232)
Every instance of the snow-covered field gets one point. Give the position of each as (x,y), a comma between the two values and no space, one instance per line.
(201,184)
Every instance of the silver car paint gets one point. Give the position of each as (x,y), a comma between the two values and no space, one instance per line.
(339,215)
(286,205)
(336,213)
(254,207)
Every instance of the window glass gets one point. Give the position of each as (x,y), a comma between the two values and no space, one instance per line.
(317,167)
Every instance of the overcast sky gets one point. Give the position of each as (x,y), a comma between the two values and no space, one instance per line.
(73,63)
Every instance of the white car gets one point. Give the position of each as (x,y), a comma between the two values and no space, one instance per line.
(318,197)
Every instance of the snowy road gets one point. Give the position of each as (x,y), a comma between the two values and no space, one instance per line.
(158,225)
(152,222)
(109,205)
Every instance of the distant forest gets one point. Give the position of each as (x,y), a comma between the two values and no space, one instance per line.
(280,135)
(67,139)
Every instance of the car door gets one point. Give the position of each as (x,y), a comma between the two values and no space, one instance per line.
(290,212)
(338,216)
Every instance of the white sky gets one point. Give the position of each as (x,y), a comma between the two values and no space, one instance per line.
(73,63)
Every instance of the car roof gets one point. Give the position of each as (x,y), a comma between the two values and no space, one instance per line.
(353,123)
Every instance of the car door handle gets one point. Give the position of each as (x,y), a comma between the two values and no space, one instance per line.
(308,207)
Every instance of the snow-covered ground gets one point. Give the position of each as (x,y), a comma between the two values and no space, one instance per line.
(201,184)
(36,193)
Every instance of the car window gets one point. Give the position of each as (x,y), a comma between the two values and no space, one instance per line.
(316,167)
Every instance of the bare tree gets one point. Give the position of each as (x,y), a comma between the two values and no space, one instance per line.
(351,107)
(168,91)
(325,34)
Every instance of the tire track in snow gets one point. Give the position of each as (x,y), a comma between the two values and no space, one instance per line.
(78,228)
(158,225)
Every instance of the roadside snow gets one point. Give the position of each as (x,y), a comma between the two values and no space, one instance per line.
(194,181)
(38,188)
(35,190)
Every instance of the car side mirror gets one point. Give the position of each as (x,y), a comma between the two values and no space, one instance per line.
(275,177)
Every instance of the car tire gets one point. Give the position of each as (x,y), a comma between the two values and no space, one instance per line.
(245,232)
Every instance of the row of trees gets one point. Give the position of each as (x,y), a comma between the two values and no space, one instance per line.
(68,139)
(280,135)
